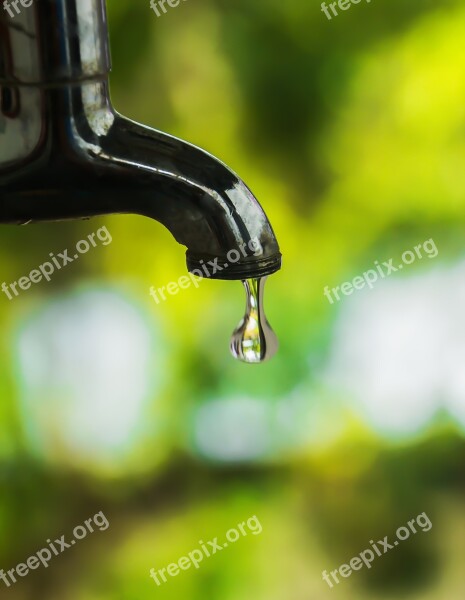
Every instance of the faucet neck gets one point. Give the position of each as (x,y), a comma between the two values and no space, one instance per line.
(54,42)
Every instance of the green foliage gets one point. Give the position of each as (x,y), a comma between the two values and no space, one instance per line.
(351,134)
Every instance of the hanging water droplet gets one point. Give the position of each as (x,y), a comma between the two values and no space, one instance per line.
(253,341)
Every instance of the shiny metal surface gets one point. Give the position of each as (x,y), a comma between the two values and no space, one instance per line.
(53,41)
(65,153)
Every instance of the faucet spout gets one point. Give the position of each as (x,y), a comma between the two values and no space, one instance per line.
(67,154)
(200,200)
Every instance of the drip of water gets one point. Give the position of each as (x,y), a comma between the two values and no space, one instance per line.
(253,341)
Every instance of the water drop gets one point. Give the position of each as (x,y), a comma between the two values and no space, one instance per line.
(253,341)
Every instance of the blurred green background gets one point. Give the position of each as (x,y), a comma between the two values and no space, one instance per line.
(351,132)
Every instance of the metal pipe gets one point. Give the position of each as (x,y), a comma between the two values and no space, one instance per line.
(65,153)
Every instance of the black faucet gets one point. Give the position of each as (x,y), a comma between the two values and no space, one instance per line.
(65,153)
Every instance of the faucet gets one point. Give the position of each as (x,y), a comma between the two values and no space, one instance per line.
(65,153)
